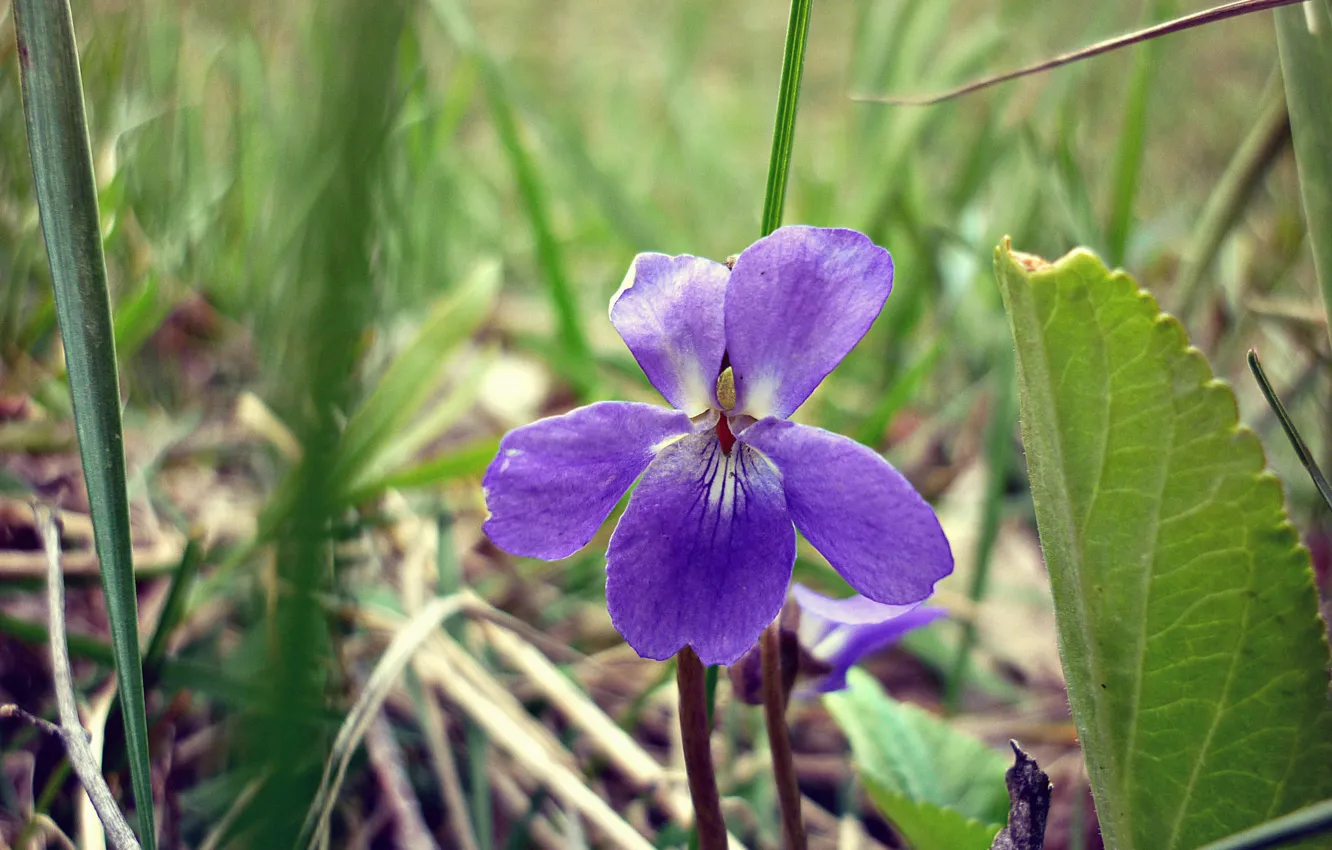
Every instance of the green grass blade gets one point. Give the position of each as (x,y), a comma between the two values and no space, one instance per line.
(998,458)
(340,153)
(173,609)
(788,99)
(1304,36)
(504,115)
(1132,140)
(414,374)
(1288,425)
(550,254)
(67,200)
(1239,183)
(906,387)
(470,459)
(1187,615)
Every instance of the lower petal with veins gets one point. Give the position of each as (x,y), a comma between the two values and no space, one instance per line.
(703,554)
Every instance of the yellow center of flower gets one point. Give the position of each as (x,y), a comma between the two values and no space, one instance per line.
(726,389)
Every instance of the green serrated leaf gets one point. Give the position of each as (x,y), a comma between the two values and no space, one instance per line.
(931,827)
(1188,626)
(909,753)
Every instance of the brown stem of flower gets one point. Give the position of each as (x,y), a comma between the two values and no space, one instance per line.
(696,734)
(779,739)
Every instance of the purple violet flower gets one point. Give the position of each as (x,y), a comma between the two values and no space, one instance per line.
(837,633)
(703,554)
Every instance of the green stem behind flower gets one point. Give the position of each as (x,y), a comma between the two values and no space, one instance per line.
(779,162)
(783,131)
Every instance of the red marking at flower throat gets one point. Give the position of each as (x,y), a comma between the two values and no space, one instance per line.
(724,434)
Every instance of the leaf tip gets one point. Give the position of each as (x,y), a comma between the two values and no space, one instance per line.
(1031,262)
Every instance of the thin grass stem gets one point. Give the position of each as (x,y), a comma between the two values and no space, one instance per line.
(1239,183)
(1292,433)
(788,99)
(1304,40)
(1184,22)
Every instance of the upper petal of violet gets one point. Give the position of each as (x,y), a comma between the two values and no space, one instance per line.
(554,482)
(669,312)
(798,301)
(702,555)
(850,503)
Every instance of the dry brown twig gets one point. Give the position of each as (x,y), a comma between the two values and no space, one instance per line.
(1196,19)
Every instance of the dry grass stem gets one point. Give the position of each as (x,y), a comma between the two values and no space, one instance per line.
(396,657)
(446,772)
(517,803)
(219,831)
(605,736)
(91,835)
(549,768)
(386,759)
(85,764)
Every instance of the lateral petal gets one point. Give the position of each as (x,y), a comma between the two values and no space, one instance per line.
(859,512)
(554,482)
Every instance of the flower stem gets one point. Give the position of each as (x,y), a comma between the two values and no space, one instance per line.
(788,98)
(696,733)
(779,739)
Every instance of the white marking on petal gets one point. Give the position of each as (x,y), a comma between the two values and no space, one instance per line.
(760,395)
(625,285)
(674,438)
(831,644)
(810,629)
(721,489)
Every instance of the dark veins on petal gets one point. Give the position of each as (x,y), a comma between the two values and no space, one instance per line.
(703,553)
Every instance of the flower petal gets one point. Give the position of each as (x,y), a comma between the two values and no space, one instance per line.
(798,301)
(865,518)
(554,482)
(702,555)
(669,312)
(855,642)
(851,611)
